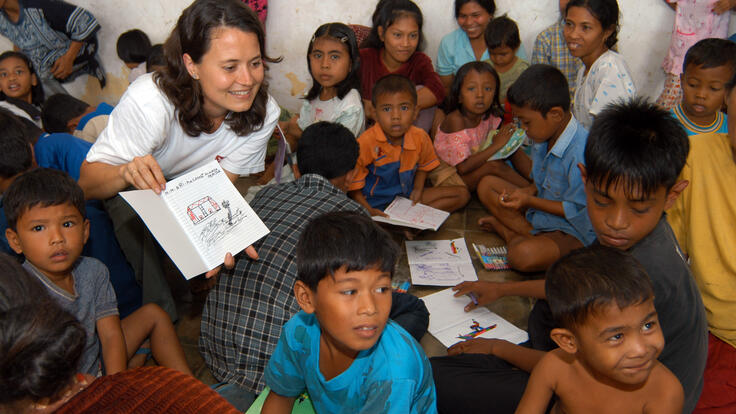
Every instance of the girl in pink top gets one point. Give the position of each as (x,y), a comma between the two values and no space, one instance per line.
(475,111)
(695,20)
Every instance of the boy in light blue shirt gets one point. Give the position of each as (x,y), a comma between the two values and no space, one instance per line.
(342,348)
(548,218)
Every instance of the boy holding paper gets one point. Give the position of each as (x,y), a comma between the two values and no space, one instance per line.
(47,224)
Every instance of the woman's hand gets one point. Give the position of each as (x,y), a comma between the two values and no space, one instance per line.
(229,262)
(504,134)
(484,293)
(144,173)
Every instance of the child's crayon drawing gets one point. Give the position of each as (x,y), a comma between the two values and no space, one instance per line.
(475,330)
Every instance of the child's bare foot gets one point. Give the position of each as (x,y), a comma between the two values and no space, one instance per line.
(485,223)
(491,223)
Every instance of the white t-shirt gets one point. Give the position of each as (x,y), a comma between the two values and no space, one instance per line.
(347,111)
(145,122)
(20,113)
(608,80)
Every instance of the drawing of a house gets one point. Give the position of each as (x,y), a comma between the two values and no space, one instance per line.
(201,209)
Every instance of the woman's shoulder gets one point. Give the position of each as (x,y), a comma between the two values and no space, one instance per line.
(145,92)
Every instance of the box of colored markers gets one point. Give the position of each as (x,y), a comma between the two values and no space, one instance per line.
(493,258)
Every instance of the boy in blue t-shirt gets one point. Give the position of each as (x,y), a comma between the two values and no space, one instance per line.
(65,113)
(707,68)
(342,348)
(546,219)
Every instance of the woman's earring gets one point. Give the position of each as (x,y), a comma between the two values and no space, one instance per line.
(195,76)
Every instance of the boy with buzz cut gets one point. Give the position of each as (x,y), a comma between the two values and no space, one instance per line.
(396,156)
(633,156)
(45,210)
(547,218)
(342,348)
(609,339)
(707,68)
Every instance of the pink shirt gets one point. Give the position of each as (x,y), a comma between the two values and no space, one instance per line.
(456,147)
(694,21)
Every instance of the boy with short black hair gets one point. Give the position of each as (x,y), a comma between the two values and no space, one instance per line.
(609,339)
(345,265)
(707,68)
(503,41)
(45,209)
(65,113)
(546,219)
(633,156)
(396,156)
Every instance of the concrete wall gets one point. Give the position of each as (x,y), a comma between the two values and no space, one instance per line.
(645,31)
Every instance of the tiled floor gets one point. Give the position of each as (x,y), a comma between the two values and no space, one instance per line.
(460,224)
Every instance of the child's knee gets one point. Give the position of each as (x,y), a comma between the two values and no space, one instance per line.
(154,313)
(463,196)
(528,256)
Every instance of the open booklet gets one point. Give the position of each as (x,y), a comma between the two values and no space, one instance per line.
(198,218)
(419,216)
(450,324)
(439,262)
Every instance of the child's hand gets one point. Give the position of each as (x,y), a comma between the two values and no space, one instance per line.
(484,292)
(473,346)
(376,212)
(723,6)
(63,66)
(515,200)
(504,134)
(416,196)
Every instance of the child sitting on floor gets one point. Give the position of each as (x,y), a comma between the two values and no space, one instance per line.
(609,339)
(65,113)
(20,89)
(462,138)
(704,219)
(342,348)
(502,39)
(133,48)
(546,219)
(708,67)
(396,156)
(47,224)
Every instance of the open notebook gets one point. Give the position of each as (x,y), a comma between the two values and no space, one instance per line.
(198,218)
(401,212)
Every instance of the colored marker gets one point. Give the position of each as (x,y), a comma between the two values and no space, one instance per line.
(452,246)
(472,297)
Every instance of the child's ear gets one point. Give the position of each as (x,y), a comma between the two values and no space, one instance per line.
(583,173)
(13,240)
(34,80)
(565,339)
(675,192)
(556,113)
(86,230)
(304,296)
(380,32)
